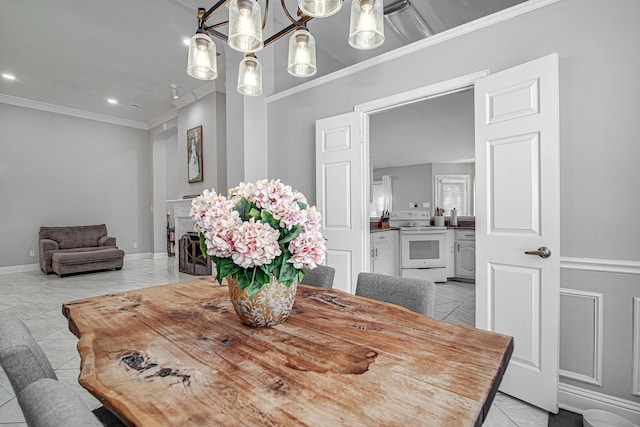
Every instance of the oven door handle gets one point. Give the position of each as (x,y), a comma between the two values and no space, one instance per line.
(413,233)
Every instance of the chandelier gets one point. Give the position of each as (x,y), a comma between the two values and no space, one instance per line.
(245,25)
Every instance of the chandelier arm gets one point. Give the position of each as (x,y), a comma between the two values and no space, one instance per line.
(218,25)
(287,30)
(210,31)
(266,12)
(286,12)
(211,11)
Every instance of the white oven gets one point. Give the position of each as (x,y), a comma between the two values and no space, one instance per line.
(423,253)
(423,248)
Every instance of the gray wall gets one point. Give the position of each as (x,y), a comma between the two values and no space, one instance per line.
(597,43)
(62,170)
(170,157)
(414,183)
(409,184)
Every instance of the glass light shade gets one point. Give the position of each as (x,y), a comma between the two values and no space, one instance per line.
(202,58)
(245,26)
(366,29)
(319,8)
(250,77)
(302,54)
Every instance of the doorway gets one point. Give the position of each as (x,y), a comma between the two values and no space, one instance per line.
(419,148)
(165,185)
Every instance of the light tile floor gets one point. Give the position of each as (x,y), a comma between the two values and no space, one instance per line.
(37,299)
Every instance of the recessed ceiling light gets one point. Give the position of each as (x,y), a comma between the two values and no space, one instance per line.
(8,76)
(186,41)
(112,101)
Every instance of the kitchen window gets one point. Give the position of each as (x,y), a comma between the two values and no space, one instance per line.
(453,191)
(381,197)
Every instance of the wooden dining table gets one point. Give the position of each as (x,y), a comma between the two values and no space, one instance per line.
(177,355)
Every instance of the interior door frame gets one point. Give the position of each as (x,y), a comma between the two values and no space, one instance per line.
(379,105)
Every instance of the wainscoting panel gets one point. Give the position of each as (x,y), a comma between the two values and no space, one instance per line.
(636,346)
(603,372)
(581,335)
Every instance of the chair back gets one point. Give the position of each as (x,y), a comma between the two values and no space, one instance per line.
(413,294)
(21,357)
(50,403)
(321,276)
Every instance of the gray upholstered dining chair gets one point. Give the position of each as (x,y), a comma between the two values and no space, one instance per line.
(44,401)
(50,403)
(21,357)
(413,294)
(321,276)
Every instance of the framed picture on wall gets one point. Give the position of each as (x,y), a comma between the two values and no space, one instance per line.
(194,154)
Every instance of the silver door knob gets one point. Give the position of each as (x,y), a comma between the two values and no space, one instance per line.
(542,252)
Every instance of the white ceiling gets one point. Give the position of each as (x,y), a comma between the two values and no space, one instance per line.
(78,53)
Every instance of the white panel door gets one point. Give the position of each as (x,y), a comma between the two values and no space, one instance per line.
(340,193)
(517,165)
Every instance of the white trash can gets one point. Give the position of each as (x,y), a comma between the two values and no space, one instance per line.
(600,418)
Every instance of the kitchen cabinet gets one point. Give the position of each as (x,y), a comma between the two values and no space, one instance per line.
(385,249)
(451,253)
(465,246)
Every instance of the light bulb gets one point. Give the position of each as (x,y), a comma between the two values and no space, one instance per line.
(245,26)
(202,58)
(366,29)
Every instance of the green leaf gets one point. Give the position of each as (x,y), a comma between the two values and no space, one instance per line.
(226,267)
(262,276)
(255,287)
(245,278)
(267,218)
(274,266)
(244,208)
(288,235)
(287,270)
(258,278)
(303,206)
(254,213)
(203,246)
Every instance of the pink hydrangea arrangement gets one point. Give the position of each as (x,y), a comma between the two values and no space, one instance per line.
(259,230)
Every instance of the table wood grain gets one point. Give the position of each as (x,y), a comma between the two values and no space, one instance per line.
(177,355)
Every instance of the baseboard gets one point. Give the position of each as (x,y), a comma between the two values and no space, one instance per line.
(160,255)
(578,400)
(19,268)
(132,257)
(35,267)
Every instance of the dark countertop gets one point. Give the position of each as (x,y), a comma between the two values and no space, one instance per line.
(374,228)
(464,225)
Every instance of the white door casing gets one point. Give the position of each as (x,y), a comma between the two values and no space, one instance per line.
(340,180)
(517,165)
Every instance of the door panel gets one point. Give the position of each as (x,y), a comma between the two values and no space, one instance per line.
(340,184)
(513,282)
(517,165)
(337,177)
(514,184)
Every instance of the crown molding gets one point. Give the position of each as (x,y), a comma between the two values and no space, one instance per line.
(460,30)
(59,109)
(169,115)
